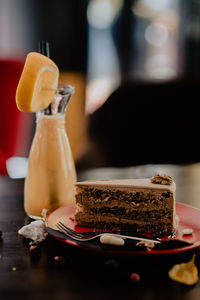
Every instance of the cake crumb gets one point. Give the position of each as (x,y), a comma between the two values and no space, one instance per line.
(162,179)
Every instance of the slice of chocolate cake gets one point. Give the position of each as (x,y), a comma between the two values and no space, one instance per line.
(136,205)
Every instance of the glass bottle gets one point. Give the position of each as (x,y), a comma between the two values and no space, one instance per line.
(51,170)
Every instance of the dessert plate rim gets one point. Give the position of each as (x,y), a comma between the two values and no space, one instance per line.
(188,218)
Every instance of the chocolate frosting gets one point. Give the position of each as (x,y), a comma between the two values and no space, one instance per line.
(127,184)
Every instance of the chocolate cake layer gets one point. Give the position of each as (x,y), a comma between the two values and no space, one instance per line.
(135,214)
(112,222)
(133,204)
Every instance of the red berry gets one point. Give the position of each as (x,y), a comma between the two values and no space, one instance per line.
(33,243)
(33,249)
(135,277)
(59,260)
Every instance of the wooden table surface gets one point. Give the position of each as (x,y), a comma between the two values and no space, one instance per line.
(85,275)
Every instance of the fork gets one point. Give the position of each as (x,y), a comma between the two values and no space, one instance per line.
(88,236)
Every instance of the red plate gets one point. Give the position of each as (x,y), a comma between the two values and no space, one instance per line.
(189,217)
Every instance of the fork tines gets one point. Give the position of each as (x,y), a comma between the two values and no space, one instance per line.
(63,228)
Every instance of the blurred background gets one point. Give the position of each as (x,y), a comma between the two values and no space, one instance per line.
(135,66)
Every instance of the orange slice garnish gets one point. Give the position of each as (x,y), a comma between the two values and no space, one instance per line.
(38,83)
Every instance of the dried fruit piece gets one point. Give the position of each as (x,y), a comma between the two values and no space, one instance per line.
(186,273)
(147,244)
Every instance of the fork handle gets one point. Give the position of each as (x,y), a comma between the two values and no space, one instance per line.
(132,238)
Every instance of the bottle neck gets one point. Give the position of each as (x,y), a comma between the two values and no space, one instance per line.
(60,101)
(50,122)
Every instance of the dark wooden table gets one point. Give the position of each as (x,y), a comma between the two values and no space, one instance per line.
(86,275)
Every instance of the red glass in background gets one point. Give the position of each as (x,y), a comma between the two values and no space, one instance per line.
(10,116)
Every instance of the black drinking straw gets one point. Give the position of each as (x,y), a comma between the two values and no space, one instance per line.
(44,48)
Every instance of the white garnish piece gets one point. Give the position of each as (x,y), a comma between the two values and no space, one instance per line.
(34,231)
(111,240)
(187,231)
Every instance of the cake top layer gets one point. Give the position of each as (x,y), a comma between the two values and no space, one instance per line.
(144,183)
